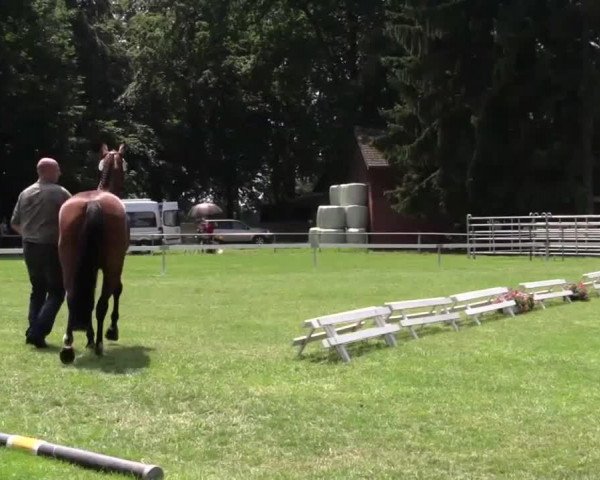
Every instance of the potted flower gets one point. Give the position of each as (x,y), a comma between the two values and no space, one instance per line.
(524,301)
(579,290)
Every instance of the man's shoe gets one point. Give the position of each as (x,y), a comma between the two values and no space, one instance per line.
(36,342)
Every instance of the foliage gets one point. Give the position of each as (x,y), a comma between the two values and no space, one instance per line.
(485,89)
(243,102)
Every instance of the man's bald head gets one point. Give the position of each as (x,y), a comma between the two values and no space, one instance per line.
(48,170)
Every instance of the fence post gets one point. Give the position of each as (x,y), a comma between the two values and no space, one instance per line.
(163,249)
(547,237)
(576,238)
(439,254)
(562,239)
(519,234)
(468,235)
(314,243)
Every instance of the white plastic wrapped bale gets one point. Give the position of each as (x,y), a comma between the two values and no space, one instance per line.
(334,195)
(332,235)
(356,235)
(331,216)
(357,216)
(353,194)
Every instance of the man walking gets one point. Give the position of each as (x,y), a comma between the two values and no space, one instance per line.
(35,217)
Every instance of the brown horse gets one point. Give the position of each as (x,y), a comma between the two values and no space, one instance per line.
(94,235)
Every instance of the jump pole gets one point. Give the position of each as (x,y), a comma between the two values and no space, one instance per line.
(83,458)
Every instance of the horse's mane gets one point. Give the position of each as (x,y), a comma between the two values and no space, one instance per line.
(86,269)
(105,174)
(111,180)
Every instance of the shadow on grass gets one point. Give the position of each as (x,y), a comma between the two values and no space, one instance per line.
(116,359)
(354,350)
(53,349)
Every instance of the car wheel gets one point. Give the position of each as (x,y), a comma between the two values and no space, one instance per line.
(258,240)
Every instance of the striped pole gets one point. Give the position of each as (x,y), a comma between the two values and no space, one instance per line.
(83,458)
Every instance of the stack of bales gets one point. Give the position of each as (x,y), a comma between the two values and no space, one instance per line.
(345,219)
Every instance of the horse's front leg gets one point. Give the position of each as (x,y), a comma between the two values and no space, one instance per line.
(113,331)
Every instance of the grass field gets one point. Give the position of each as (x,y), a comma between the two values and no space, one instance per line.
(204,381)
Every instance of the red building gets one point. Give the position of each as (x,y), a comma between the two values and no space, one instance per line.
(370,166)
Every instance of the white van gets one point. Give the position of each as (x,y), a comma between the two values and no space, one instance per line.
(150,222)
(171,221)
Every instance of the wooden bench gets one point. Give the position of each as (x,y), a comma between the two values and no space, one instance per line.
(412,313)
(592,279)
(339,329)
(546,290)
(477,302)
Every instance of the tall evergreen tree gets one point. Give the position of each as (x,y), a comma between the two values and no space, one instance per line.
(440,66)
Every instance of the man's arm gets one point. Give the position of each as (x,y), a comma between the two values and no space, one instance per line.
(15,221)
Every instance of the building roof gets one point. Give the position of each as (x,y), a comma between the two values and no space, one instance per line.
(373,156)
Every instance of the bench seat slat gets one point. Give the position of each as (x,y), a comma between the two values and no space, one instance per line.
(547,295)
(322,334)
(490,307)
(360,335)
(444,317)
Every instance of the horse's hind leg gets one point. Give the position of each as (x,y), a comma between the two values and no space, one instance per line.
(101,309)
(67,354)
(90,337)
(113,331)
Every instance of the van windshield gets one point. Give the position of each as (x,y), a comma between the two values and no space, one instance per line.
(141,219)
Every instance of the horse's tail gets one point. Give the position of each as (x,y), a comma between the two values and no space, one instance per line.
(88,262)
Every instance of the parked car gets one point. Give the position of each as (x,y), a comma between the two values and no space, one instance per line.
(233,231)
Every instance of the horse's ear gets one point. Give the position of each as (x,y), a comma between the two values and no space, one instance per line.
(104,150)
(121,149)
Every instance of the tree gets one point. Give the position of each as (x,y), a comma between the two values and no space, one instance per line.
(440,66)
(40,91)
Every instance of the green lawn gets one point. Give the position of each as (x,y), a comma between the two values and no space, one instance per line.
(204,381)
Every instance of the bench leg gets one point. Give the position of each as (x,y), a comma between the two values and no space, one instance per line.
(390,339)
(414,334)
(306,340)
(341,349)
(476,318)
(454,325)
(541,302)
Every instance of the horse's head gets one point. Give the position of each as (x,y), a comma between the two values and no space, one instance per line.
(113,168)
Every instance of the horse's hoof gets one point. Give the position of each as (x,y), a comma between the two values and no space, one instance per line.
(99,349)
(67,355)
(112,334)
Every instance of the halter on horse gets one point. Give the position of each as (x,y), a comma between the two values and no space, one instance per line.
(94,236)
